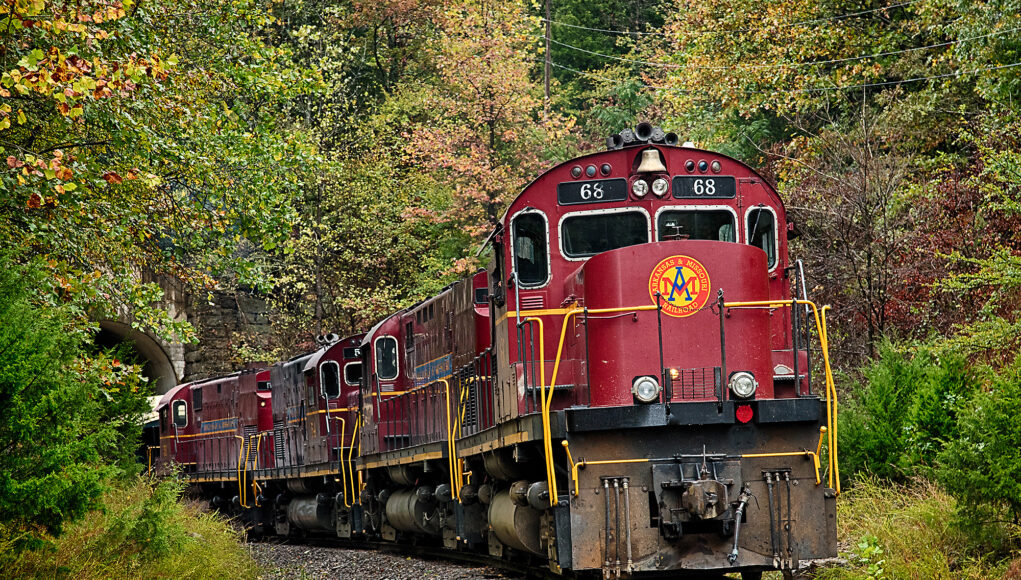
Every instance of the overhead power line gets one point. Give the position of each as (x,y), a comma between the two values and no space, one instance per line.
(713,32)
(778,65)
(954,74)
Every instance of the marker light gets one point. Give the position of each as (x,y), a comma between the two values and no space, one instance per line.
(743,384)
(645,389)
(639,188)
(660,186)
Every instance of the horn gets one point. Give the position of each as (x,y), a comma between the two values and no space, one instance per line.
(614,142)
(651,163)
(671,139)
(657,135)
(319,339)
(643,131)
(331,338)
(627,136)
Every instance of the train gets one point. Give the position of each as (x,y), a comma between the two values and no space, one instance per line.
(637,385)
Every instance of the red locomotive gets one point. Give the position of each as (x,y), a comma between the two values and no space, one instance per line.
(626,390)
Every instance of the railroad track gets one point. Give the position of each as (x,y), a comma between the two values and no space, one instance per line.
(461,565)
(451,564)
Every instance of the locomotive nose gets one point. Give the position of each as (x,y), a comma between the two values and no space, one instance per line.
(656,337)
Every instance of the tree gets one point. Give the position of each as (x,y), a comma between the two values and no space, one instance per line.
(144,137)
(480,140)
(845,190)
(70,417)
(980,467)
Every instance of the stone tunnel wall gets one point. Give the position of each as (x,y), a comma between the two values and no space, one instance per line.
(224,322)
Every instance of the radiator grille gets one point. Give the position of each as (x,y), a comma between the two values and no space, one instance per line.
(278,441)
(694,384)
(532,302)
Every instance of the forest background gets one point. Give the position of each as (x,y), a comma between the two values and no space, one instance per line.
(346,158)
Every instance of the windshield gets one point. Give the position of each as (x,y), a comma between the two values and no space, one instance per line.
(590,234)
(715,225)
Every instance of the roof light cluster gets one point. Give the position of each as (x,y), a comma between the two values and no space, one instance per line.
(643,133)
(703,166)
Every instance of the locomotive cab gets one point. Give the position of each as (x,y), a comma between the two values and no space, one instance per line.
(177,428)
(646,309)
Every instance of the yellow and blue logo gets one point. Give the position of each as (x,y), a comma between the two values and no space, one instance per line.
(683,285)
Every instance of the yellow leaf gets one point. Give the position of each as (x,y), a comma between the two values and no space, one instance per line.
(21,117)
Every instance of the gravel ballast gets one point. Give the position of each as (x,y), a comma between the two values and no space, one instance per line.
(300,561)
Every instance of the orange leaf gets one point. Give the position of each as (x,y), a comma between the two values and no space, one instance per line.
(112,177)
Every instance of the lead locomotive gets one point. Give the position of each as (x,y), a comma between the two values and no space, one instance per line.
(626,390)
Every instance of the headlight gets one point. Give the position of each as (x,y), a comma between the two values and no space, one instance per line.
(743,384)
(660,187)
(639,188)
(645,389)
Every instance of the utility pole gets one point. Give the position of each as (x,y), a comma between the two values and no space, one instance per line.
(545,102)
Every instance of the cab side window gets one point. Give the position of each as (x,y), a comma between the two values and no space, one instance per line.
(762,232)
(386,358)
(180,413)
(530,242)
(329,379)
(353,373)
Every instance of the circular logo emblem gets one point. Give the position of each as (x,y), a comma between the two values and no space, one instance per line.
(682,283)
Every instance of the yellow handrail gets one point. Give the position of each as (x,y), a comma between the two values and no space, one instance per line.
(459,463)
(255,466)
(570,464)
(148,453)
(350,460)
(547,437)
(583,463)
(835,424)
(831,389)
(241,489)
(547,394)
(343,471)
(450,441)
(806,453)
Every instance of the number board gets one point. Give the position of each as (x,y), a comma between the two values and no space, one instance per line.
(597,191)
(702,187)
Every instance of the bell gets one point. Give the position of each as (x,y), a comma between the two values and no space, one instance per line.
(651,162)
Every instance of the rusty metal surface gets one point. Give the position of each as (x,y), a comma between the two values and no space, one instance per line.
(803,525)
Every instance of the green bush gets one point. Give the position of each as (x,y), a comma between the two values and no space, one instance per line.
(893,530)
(144,530)
(982,466)
(896,423)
